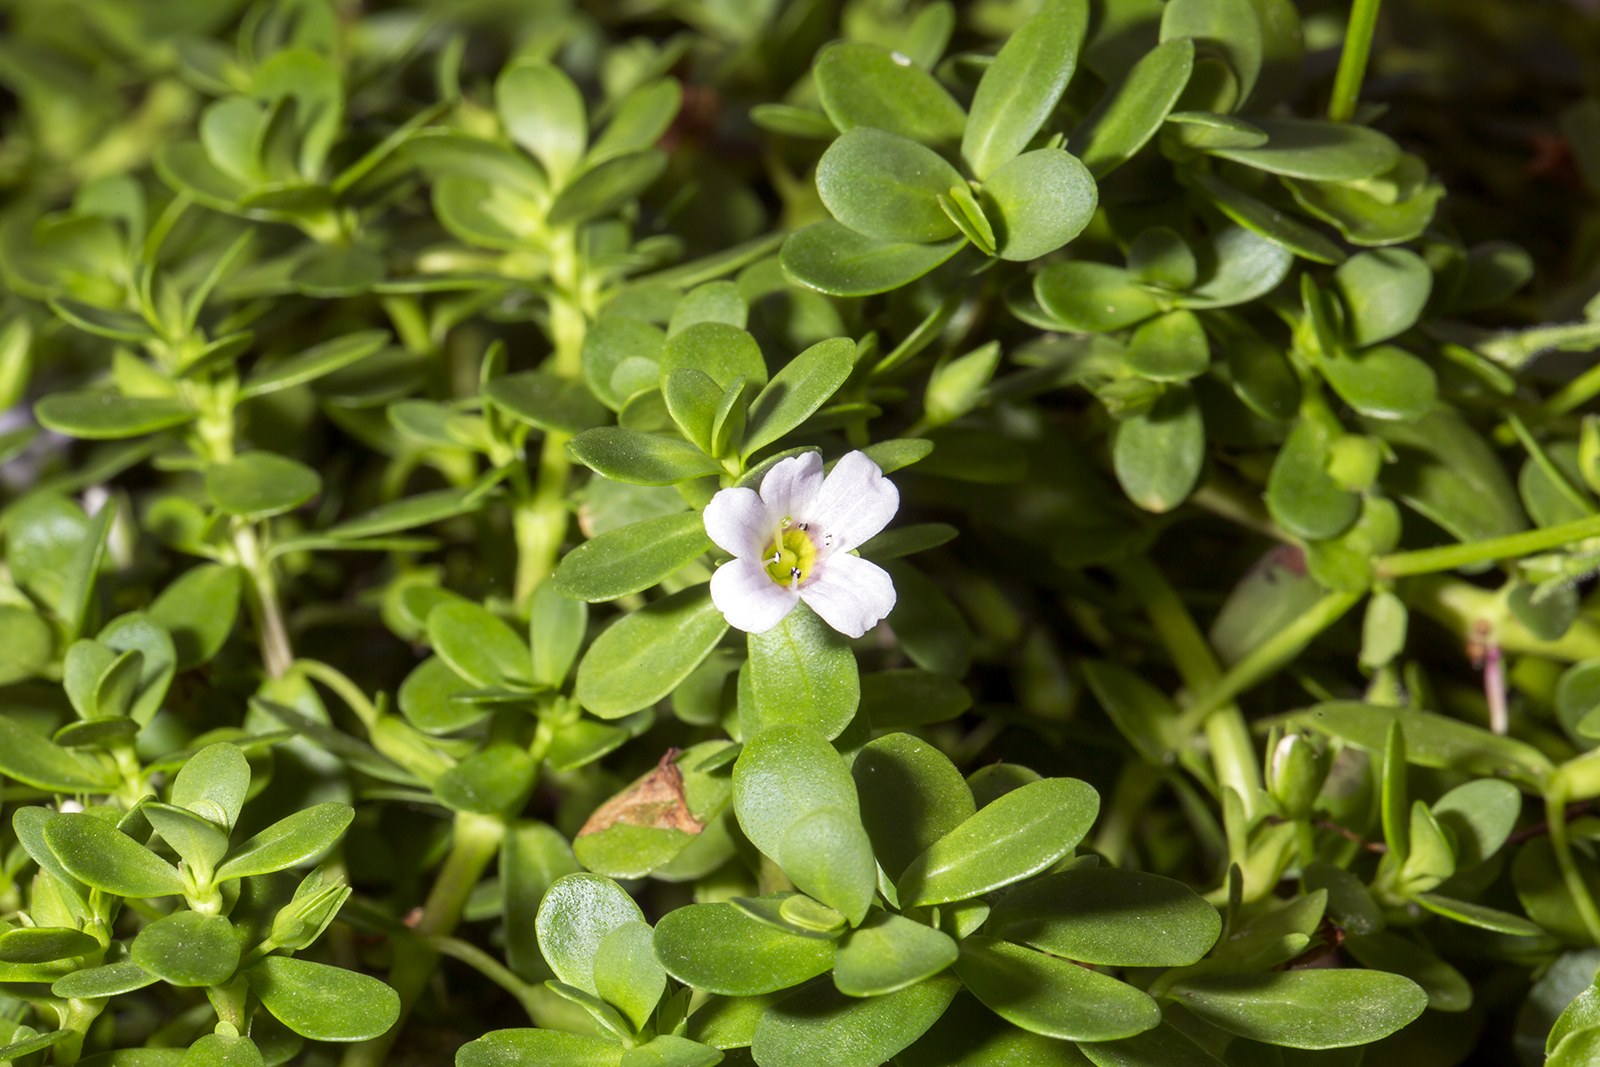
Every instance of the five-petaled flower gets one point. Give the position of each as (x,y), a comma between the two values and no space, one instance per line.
(792,543)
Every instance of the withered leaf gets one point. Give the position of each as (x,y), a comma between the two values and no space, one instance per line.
(655,801)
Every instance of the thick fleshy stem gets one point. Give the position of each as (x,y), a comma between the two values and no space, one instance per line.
(476,842)
(1353,60)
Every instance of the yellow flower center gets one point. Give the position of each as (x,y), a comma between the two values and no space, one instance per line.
(791,555)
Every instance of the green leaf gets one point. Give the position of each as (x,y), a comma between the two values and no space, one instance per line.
(1020,88)
(103,415)
(1432,740)
(1267,221)
(1262,377)
(626,974)
(492,781)
(1302,496)
(137,631)
(640,458)
(109,980)
(826,854)
(27,642)
(641,119)
(644,656)
(1207,129)
(188,948)
(1229,26)
(632,558)
(408,512)
(834,259)
(1315,150)
(39,944)
(1021,833)
(449,153)
(1311,1009)
(886,186)
(1479,817)
(932,633)
(1164,1046)
(665,1050)
(1383,382)
(612,341)
(717,948)
(1364,219)
(1170,347)
(543,112)
(347,271)
(556,627)
(1450,475)
(693,400)
(293,839)
(1092,296)
(803,385)
(911,796)
(1039,201)
(970,1035)
(223,1050)
(723,351)
(575,917)
(504,1047)
(99,855)
(199,842)
(1104,915)
(324,1003)
(803,673)
(909,696)
(1235,267)
(865,85)
(544,400)
(819,1024)
(1582,1014)
(606,186)
(1157,454)
(1131,112)
(213,783)
(783,774)
(103,322)
(1052,996)
(888,953)
(478,645)
(1143,713)
(793,121)
(32,759)
(425,698)
(1384,292)
(257,485)
(1446,988)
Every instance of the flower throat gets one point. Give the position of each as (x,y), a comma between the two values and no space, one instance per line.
(791,554)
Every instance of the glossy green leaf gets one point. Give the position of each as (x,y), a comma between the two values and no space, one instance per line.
(803,385)
(260,484)
(1384,382)
(99,855)
(1163,1046)
(632,558)
(1157,454)
(826,853)
(1383,292)
(1363,218)
(1019,834)
(865,85)
(291,840)
(1447,473)
(543,112)
(834,259)
(1170,348)
(644,656)
(803,673)
(493,781)
(886,186)
(1092,296)
(819,1024)
(887,953)
(1020,88)
(897,699)
(970,1035)
(1310,1009)
(104,415)
(1317,151)
(783,774)
(1052,996)
(717,948)
(626,974)
(1267,221)
(30,758)
(546,401)
(911,796)
(199,842)
(576,915)
(666,1050)
(640,119)
(1104,915)
(640,458)
(108,980)
(1446,988)
(478,645)
(188,948)
(1479,817)
(1301,495)
(40,944)
(501,1048)
(323,1003)
(1235,266)
(1131,112)
(606,186)
(1230,26)
(1039,201)
(722,351)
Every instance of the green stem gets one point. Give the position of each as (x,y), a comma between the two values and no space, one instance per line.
(1353,60)
(1555,807)
(276,653)
(476,841)
(1477,615)
(1449,557)
(543,1007)
(1269,656)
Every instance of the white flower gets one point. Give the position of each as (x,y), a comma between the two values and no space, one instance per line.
(792,543)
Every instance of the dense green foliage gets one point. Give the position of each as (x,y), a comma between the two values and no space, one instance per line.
(382,385)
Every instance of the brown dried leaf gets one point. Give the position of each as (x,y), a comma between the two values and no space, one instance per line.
(654,801)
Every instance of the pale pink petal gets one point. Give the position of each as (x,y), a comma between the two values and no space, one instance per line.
(791,486)
(748,597)
(856,502)
(850,594)
(737,521)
